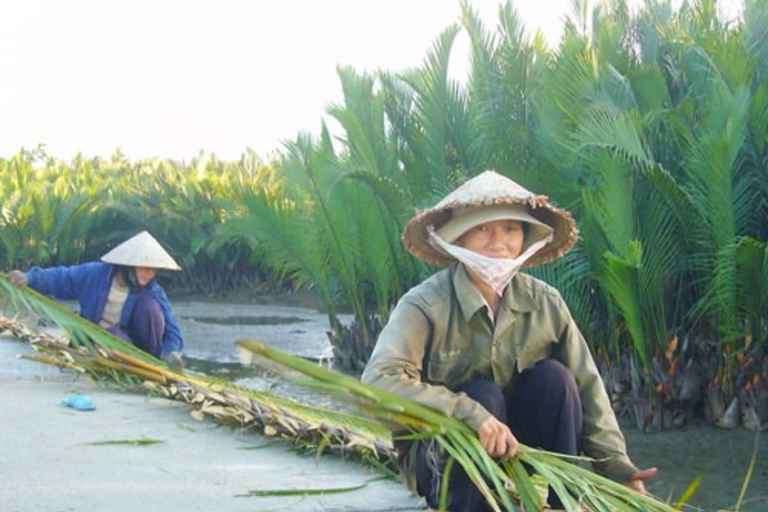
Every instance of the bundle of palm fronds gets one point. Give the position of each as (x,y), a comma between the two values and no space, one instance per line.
(95,351)
(507,485)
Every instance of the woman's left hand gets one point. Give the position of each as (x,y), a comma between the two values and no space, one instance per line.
(637,481)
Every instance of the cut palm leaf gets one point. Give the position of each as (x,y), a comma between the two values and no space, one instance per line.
(108,357)
(81,332)
(128,442)
(309,492)
(575,485)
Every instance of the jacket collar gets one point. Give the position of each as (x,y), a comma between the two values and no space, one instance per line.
(517,296)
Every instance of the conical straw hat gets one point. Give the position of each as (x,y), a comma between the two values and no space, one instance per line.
(141,251)
(485,189)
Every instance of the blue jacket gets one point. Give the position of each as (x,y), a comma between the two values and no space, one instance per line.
(89,284)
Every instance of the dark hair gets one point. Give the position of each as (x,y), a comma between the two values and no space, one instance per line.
(130,277)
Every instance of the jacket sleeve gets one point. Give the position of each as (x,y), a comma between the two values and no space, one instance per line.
(602,438)
(64,283)
(396,365)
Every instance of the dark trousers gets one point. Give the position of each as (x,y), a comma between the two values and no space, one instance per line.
(147,326)
(543,411)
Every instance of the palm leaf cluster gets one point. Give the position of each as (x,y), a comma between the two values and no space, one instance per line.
(57,213)
(105,357)
(649,124)
(506,485)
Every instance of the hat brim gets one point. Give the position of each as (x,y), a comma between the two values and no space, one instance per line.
(415,235)
(141,250)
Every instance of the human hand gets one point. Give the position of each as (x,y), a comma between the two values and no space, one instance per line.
(174,360)
(18,278)
(497,439)
(636,481)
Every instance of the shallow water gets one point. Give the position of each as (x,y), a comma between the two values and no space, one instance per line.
(720,458)
(249,320)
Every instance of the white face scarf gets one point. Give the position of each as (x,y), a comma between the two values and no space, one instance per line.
(496,272)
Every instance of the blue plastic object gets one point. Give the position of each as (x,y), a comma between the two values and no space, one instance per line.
(80,403)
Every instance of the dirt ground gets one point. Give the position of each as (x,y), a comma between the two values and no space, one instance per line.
(720,458)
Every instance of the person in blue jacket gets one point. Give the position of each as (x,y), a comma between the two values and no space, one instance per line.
(119,293)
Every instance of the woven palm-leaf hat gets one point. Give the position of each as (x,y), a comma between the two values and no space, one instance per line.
(489,192)
(141,250)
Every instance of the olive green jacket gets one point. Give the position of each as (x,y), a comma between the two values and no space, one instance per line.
(440,335)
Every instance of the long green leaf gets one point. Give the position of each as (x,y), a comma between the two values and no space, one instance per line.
(461,442)
(82,333)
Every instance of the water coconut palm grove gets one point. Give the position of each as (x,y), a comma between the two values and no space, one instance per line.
(649,125)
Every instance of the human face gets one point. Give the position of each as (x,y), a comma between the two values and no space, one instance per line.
(144,275)
(495,239)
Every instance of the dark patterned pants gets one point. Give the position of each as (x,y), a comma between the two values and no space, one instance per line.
(147,326)
(543,411)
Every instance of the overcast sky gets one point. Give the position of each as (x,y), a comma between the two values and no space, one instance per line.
(169,78)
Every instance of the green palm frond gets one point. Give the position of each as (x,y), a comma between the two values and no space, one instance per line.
(328,202)
(431,90)
(398,270)
(756,33)
(574,484)
(362,117)
(660,276)
(650,89)
(107,356)
(370,185)
(620,133)
(82,333)
(619,277)
(456,437)
(721,206)
(610,202)
(740,289)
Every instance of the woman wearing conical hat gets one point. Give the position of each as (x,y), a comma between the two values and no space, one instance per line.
(119,293)
(493,347)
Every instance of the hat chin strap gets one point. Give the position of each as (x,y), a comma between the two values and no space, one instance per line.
(496,272)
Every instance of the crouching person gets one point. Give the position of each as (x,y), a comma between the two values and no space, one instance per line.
(119,293)
(493,347)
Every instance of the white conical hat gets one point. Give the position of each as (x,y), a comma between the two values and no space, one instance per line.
(141,251)
(484,190)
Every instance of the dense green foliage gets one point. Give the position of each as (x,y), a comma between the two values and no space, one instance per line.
(56,213)
(650,126)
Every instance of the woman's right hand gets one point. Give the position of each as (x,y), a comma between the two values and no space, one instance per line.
(497,439)
(18,278)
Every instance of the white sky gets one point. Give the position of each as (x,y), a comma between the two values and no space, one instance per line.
(169,78)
